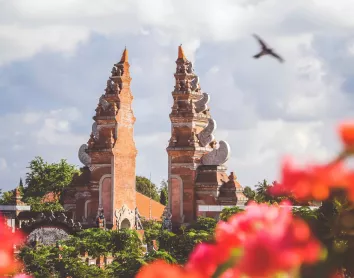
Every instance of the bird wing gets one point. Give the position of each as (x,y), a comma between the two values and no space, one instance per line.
(277,56)
(262,43)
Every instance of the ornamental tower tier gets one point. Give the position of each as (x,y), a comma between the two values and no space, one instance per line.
(107,182)
(195,159)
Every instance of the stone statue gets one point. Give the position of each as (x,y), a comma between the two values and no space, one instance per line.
(182,85)
(166,220)
(206,135)
(138,224)
(100,219)
(217,156)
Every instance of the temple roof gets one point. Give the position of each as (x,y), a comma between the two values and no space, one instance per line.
(143,205)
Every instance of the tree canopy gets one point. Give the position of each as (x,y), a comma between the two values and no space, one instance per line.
(148,188)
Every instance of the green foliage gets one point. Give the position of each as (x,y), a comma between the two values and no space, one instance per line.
(164,193)
(249,193)
(226,213)
(38,206)
(126,265)
(152,230)
(203,224)
(161,255)
(6,197)
(146,187)
(44,177)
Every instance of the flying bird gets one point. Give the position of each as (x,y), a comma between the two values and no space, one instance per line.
(266,50)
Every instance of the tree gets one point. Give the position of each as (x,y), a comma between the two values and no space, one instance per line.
(44,177)
(7,197)
(147,188)
(164,193)
(226,213)
(249,193)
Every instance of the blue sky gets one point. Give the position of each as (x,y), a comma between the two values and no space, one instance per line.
(55,58)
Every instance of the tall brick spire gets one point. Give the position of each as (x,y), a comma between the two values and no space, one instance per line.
(124,56)
(196,160)
(110,153)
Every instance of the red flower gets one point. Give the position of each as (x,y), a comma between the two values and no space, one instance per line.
(205,259)
(161,269)
(8,241)
(271,239)
(346,132)
(313,182)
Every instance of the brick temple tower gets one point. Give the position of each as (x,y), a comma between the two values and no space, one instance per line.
(107,181)
(196,169)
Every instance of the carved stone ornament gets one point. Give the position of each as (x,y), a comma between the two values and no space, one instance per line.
(95,132)
(47,235)
(217,156)
(125,218)
(194,83)
(206,135)
(105,104)
(83,156)
(201,104)
(190,67)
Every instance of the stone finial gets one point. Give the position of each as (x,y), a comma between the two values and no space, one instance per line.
(124,56)
(181,53)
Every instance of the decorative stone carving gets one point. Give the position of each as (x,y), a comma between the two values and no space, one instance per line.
(99,109)
(105,104)
(125,216)
(206,135)
(47,235)
(193,140)
(217,156)
(166,220)
(182,85)
(83,156)
(95,131)
(190,67)
(112,87)
(192,105)
(114,71)
(195,83)
(181,68)
(138,224)
(201,104)
(82,195)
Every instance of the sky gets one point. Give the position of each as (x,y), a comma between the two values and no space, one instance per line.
(55,58)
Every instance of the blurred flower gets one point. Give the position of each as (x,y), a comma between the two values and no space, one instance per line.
(314,182)
(161,269)
(8,239)
(259,242)
(271,238)
(346,132)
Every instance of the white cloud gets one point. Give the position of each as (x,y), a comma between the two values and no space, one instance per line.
(3,164)
(263,109)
